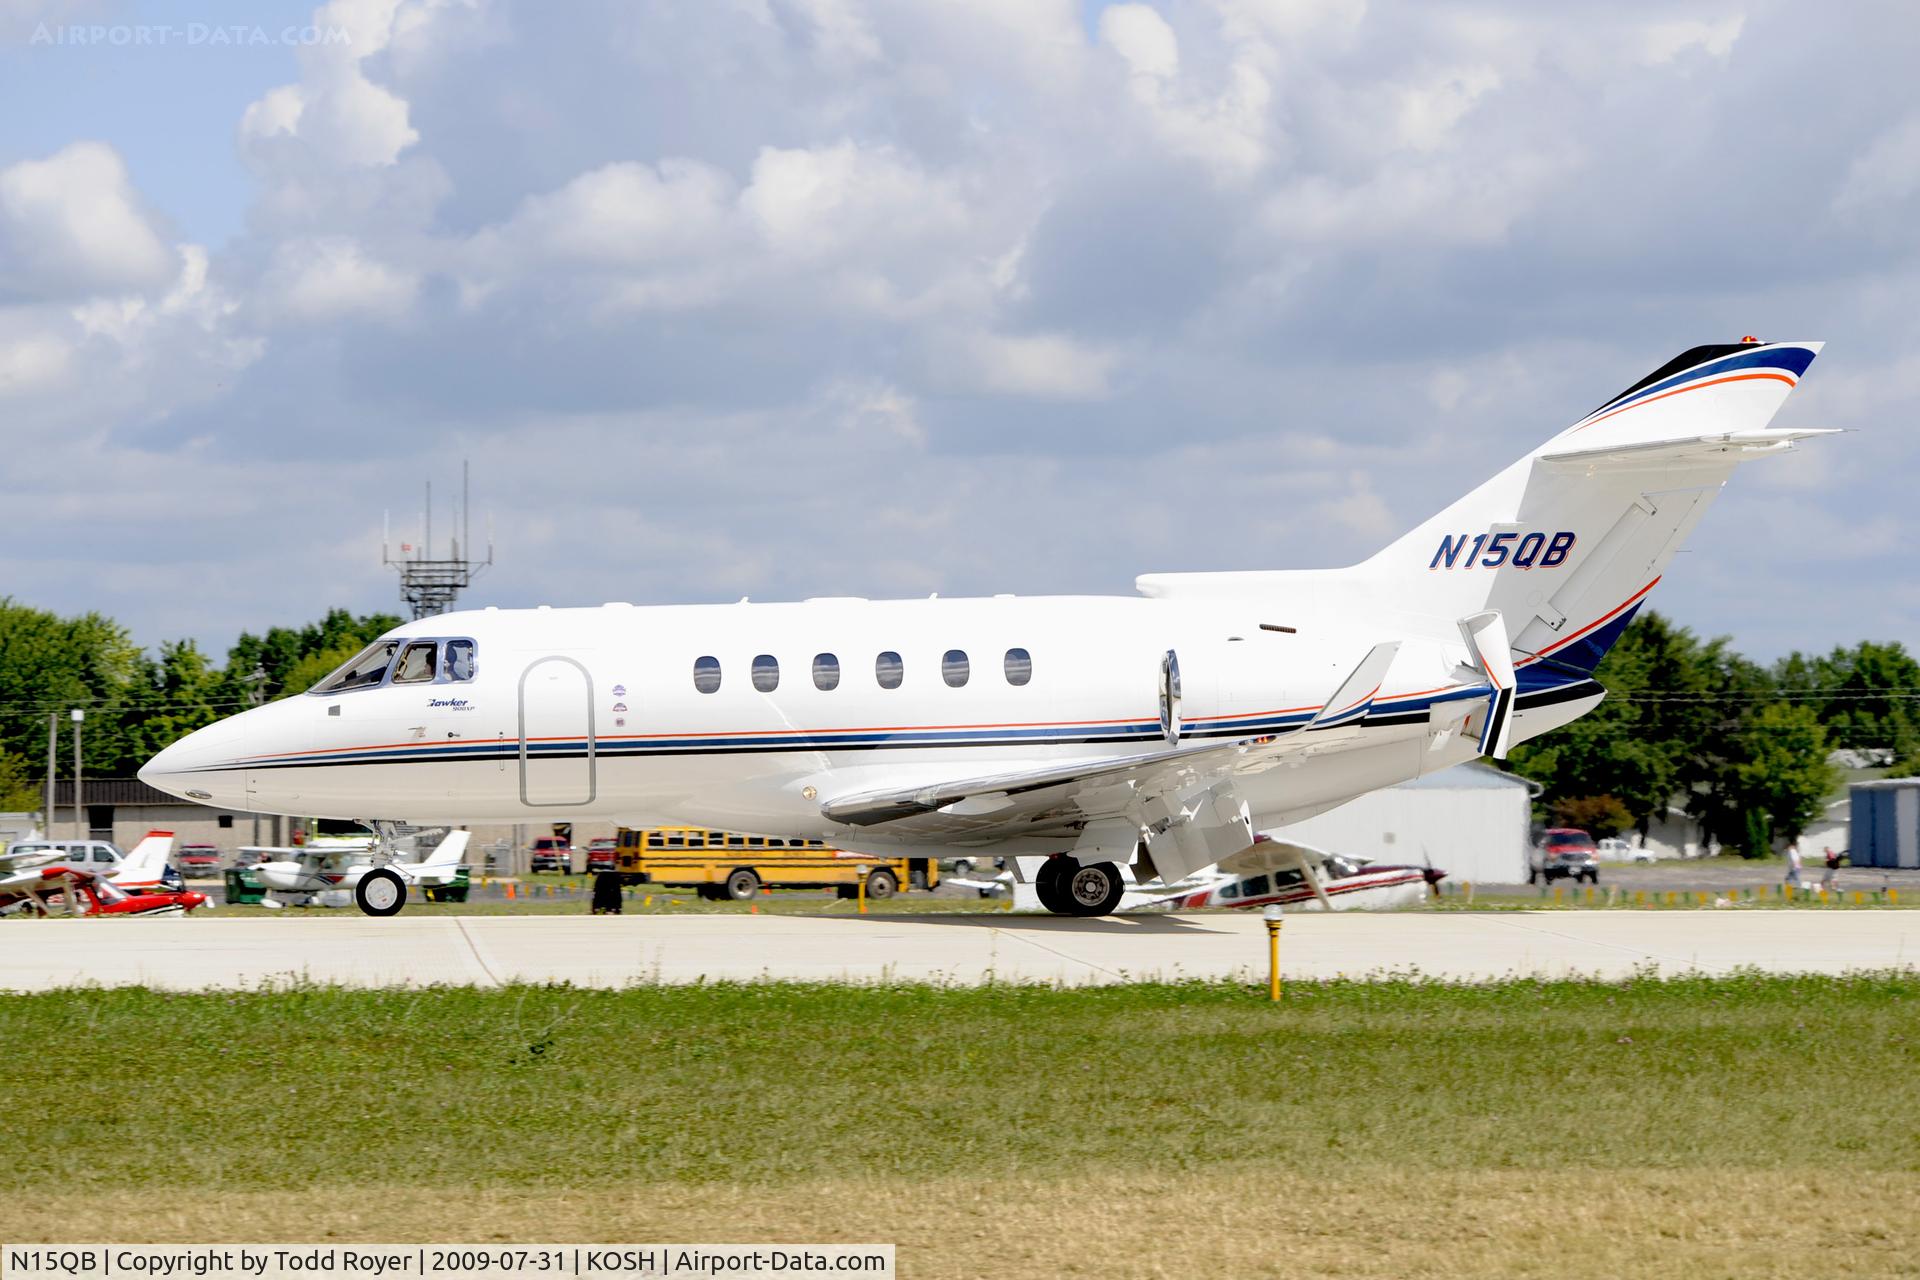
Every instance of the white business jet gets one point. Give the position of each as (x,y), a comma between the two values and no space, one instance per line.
(379,888)
(1072,735)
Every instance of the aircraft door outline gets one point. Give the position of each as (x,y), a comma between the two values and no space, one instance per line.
(558,780)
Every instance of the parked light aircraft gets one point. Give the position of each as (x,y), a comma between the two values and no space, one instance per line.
(379,889)
(1074,735)
(1304,877)
(144,870)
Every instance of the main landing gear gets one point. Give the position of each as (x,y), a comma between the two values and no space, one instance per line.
(1068,889)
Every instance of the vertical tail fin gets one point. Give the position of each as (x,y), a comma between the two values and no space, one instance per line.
(1566,543)
(145,864)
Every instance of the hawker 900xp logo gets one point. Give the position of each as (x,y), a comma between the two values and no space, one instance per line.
(1491,550)
(450,704)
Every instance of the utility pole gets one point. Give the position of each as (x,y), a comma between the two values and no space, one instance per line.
(79,813)
(256,694)
(53,748)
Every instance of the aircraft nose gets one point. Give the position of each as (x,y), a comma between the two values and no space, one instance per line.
(204,766)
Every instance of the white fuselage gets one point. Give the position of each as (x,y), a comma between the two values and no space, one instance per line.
(595,712)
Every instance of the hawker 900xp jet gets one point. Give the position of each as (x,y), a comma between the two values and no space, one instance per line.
(1071,735)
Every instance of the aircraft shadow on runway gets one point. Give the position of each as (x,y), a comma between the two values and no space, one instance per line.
(1132,925)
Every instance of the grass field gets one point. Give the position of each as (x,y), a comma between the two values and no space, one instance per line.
(1737,1127)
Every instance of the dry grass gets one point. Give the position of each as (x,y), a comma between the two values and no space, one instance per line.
(1747,1126)
(1249,1218)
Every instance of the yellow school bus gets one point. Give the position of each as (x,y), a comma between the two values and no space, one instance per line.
(721,864)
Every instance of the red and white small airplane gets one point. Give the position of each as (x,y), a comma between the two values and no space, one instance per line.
(1299,875)
(88,894)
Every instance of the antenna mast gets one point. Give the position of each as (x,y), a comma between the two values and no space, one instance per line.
(430,585)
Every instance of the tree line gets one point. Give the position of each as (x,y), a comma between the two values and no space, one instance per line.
(137,702)
(1743,749)
(1740,747)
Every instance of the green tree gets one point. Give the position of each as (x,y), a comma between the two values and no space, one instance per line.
(1868,696)
(1784,777)
(288,656)
(1634,746)
(19,788)
(1598,816)
(50,664)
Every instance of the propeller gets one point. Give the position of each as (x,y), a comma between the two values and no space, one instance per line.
(1434,876)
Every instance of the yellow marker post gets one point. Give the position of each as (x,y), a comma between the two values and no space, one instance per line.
(1556,895)
(1893,896)
(861,892)
(1271,914)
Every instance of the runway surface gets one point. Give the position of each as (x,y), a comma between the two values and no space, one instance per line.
(193,953)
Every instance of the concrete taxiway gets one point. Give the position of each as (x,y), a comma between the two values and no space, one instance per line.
(193,953)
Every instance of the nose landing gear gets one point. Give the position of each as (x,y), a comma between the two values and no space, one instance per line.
(380,892)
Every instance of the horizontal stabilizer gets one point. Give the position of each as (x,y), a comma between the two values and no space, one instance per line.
(1355,694)
(1726,446)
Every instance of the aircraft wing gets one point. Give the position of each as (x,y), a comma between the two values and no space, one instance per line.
(1153,792)
(994,800)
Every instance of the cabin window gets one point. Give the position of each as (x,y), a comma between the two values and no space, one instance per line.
(363,671)
(706,674)
(766,673)
(1231,891)
(1254,888)
(417,663)
(460,664)
(826,672)
(1019,666)
(1339,868)
(953,667)
(888,670)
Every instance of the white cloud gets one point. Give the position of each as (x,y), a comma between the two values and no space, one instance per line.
(335,112)
(1143,38)
(333,277)
(626,214)
(1043,365)
(32,364)
(809,203)
(1662,42)
(1883,177)
(71,225)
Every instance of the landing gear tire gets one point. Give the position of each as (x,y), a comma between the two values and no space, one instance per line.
(1094,890)
(1047,884)
(742,885)
(380,893)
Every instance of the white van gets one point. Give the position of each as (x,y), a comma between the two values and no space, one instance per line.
(97,856)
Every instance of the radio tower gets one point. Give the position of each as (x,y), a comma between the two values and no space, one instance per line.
(429,585)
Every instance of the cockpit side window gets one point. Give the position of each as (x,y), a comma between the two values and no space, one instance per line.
(460,664)
(364,671)
(417,663)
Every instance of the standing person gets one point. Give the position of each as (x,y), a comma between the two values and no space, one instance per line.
(1833,866)
(1793,863)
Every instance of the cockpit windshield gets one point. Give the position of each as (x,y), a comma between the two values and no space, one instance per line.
(421,660)
(367,668)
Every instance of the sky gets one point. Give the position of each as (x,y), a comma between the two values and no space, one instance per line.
(781,298)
